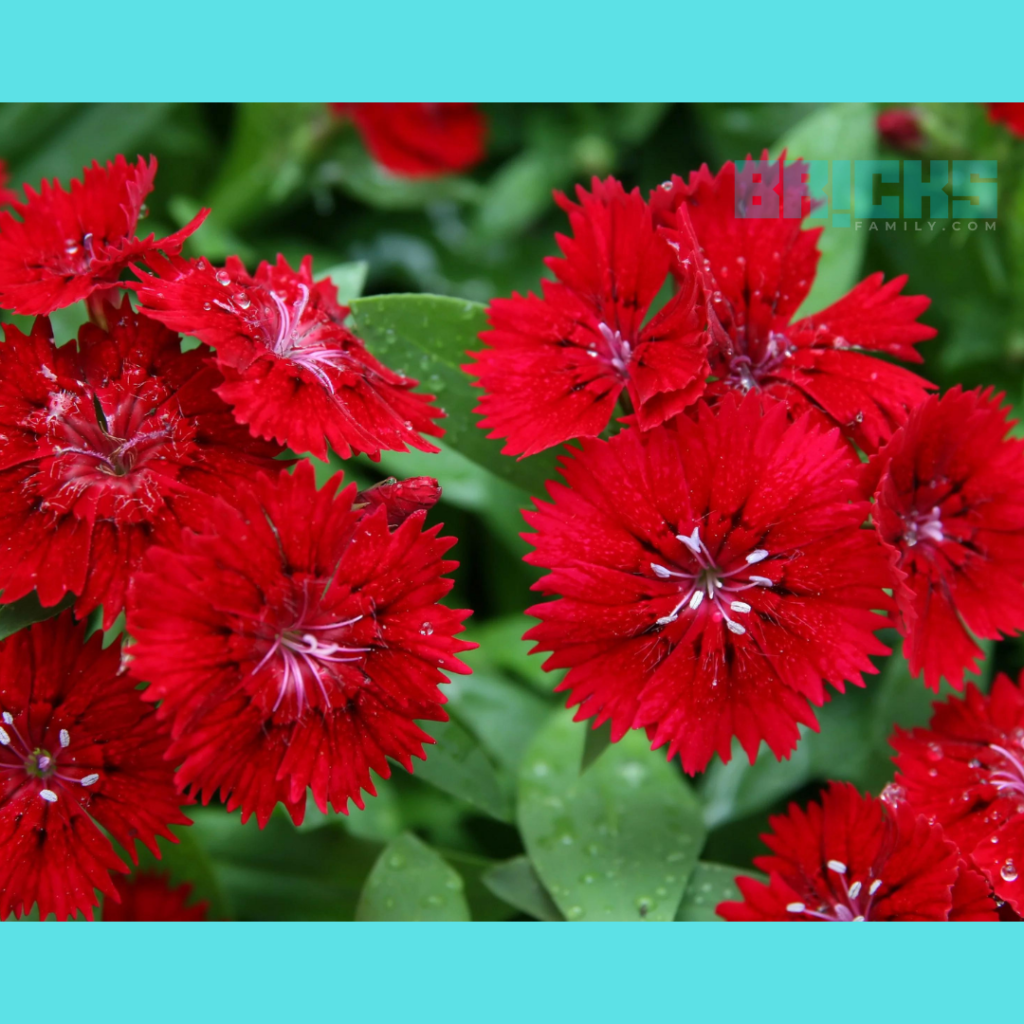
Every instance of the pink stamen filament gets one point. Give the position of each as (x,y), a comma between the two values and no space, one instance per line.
(1006,779)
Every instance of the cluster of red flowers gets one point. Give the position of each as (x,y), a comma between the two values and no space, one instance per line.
(780,489)
(290,637)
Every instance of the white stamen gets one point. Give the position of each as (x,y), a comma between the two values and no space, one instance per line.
(88,780)
(48,795)
(8,718)
(796,908)
(758,555)
(874,886)
(855,890)
(660,571)
(740,606)
(762,581)
(692,542)
(698,596)
(837,866)
(735,627)
(4,738)
(65,738)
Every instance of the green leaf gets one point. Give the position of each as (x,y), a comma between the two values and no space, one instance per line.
(515,882)
(457,764)
(427,337)
(410,882)
(187,861)
(280,873)
(597,742)
(617,843)
(501,642)
(503,715)
(28,610)
(709,885)
(271,146)
(348,278)
(840,131)
(96,132)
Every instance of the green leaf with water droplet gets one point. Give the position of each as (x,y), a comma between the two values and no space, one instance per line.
(411,882)
(617,843)
(457,764)
(709,885)
(281,873)
(427,337)
(515,882)
(839,131)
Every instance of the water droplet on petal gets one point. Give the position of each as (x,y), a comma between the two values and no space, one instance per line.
(1008,872)
(223,277)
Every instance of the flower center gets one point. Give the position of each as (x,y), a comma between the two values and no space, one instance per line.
(107,453)
(77,256)
(712,586)
(923,526)
(16,754)
(852,903)
(307,345)
(304,657)
(746,370)
(619,351)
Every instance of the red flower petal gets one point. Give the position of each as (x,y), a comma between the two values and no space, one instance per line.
(79,752)
(148,896)
(757,271)
(966,771)
(852,858)
(1010,114)
(109,445)
(294,644)
(555,366)
(951,505)
(795,579)
(293,372)
(68,243)
(420,140)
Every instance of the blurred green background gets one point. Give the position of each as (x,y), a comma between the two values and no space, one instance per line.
(501,822)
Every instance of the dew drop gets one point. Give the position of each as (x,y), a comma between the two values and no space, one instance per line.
(934,752)
(893,794)
(426,629)
(223,277)
(241,300)
(1008,872)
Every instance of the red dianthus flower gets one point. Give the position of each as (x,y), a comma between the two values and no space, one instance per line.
(79,752)
(104,448)
(855,858)
(419,140)
(555,366)
(148,896)
(1010,114)
(714,576)
(966,771)
(900,129)
(758,270)
(293,372)
(294,644)
(69,243)
(951,506)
